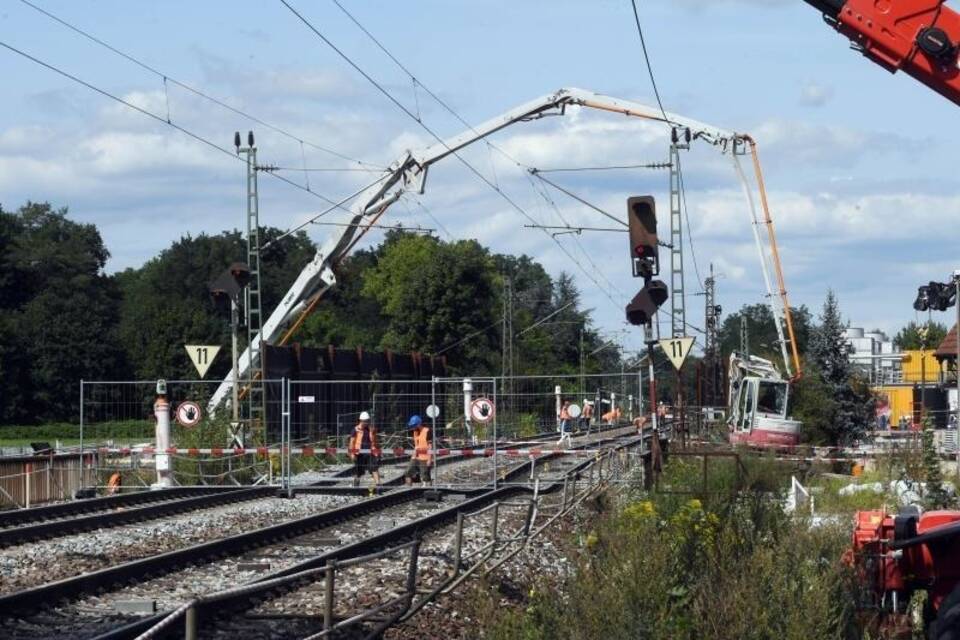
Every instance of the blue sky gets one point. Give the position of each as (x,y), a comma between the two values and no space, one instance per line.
(858,162)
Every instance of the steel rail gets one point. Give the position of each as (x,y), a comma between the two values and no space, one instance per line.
(76,507)
(35,598)
(109,519)
(209,608)
(442,460)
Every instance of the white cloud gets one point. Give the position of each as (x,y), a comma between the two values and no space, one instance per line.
(813,94)
(127,174)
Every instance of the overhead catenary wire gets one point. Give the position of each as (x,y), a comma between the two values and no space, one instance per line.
(686,216)
(387,227)
(613,167)
(429,213)
(596,269)
(496,187)
(656,93)
(579,199)
(436,137)
(158,118)
(221,103)
(646,57)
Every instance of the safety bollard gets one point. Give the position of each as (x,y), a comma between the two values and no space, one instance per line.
(328,595)
(458,545)
(190,624)
(412,570)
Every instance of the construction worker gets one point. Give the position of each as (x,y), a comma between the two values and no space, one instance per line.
(565,426)
(364,439)
(586,416)
(113,484)
(612,416)
(640,422)
(421,459)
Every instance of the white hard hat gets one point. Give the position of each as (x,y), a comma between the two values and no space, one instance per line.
(364,415)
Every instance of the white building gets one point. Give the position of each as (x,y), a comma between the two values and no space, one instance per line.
(875,353)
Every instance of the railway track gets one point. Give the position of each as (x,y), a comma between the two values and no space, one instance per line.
(120,515)
(28,525)
(20,517)
(305,536)
(288,603)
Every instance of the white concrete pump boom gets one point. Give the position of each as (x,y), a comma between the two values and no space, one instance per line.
(409,173)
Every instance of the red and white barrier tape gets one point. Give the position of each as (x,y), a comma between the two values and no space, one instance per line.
(332,451)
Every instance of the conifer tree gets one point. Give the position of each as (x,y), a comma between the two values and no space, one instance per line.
(851,400)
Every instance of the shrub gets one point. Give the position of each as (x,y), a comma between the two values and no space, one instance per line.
(731,565)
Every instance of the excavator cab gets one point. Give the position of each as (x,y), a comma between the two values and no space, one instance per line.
(758,408)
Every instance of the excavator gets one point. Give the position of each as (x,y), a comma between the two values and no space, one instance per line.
(898,556)
(758,404)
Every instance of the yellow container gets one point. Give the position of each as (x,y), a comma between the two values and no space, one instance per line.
(899,400)
(919,364)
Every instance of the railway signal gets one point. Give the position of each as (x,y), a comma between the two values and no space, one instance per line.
(644,257)
(642,225)
(645,304)
(227,287)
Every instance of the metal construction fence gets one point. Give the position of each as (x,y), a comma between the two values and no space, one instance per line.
(118,425)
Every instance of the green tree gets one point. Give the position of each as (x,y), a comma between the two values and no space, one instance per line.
(167,304)
(433,294)
(936,495)
(762,332)
(910,337)
(347,317)
(60,313)
(812,404)
(852,403)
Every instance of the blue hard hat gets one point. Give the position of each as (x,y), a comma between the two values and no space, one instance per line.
(414,421)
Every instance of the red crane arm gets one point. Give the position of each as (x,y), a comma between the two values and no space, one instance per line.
(919,37)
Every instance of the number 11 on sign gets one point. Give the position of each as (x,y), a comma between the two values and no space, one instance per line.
(202,355)
(677,349)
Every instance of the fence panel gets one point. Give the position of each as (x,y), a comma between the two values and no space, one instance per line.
(118,425)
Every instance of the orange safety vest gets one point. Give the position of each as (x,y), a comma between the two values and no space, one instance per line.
(356,440)
(421,442)
(113,485)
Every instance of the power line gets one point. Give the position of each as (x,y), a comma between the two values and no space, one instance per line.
(417,83)
(429,213)
(395,227)
(536,173)
(160,119)
(272,168)
(543,193)
(569,229)
(686,216)
(663,112)
(313,219)
(495,186)
(195,91)
(436,137)
(472,335)
(649,165)
(646,57)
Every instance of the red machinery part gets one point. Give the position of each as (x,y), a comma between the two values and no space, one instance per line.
(907,552)
(919,37)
